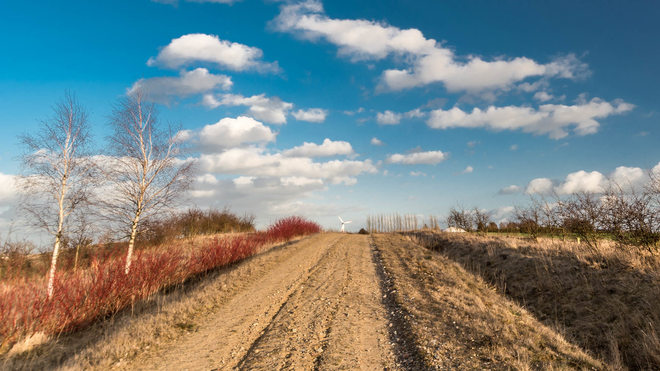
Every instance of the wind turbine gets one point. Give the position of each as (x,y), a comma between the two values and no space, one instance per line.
(343,223)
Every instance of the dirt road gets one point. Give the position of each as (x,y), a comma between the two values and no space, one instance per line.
(330,301)
(319,308)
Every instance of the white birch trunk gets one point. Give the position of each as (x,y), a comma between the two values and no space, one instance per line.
(131,242)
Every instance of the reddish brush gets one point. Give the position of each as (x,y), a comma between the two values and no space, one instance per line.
(84,296)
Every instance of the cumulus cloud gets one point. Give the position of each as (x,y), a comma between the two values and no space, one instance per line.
(388,118)
(627,178)
(417,158)
(431,62)
(325,149)
(233,132)
(549,119)
(163,89)
(376,142)
(8,190)
(509,190)
(268,109)
(417,173)
(311,115)
(198,47)
(582,181)
(502,214)
(467,170)
(256,162)
(539,186)
(249,194)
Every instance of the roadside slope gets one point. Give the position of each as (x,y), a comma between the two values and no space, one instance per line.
(457,321)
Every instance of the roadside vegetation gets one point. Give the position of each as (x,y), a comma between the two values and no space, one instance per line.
(103,288)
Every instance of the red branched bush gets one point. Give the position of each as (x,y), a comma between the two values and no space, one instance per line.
(84,296)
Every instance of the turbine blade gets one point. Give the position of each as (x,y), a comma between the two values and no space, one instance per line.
(340,219)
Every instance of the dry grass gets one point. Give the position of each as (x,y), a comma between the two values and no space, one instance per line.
(605,299)
(460,322)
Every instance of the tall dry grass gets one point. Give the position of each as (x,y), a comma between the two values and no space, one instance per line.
(606,299)
(87,295)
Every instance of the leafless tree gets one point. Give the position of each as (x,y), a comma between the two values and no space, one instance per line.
(630,215)
(482,219)
(529,219)
(56,172)
(144,169)
(459,217)
(583,214)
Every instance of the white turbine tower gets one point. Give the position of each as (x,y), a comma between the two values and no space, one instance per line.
(343,223)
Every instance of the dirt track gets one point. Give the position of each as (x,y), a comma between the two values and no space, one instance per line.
(318,308)
(330,301)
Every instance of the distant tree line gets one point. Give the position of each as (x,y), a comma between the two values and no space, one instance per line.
(626,215)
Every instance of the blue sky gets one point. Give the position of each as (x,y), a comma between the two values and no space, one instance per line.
(465,98)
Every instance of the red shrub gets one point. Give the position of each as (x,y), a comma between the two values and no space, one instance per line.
(84,296)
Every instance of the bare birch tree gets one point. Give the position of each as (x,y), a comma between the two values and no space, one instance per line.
(145,171)
(56,172)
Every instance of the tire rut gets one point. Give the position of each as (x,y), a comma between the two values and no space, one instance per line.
(269,326)
(334,320)
(408,355)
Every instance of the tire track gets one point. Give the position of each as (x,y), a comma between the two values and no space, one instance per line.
(332,321)
(311,272)
(408,355)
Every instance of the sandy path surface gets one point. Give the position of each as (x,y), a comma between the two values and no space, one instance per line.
(319,308)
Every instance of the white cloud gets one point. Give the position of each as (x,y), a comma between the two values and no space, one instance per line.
(197,81)
(656,170)
(467,170)
(509,190)
(325,149)
(582,181)
(543,96)
(628,177)
(502,214)
(265,196)
(195,48)
(427,158)
(233,132)
(376,142)
(388,118)
(550,119)
(430,62)
(513,147)
(268,109)
(416,113)
(8,189)
(311,115)
(256,162)
(417,173)
(540,186)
